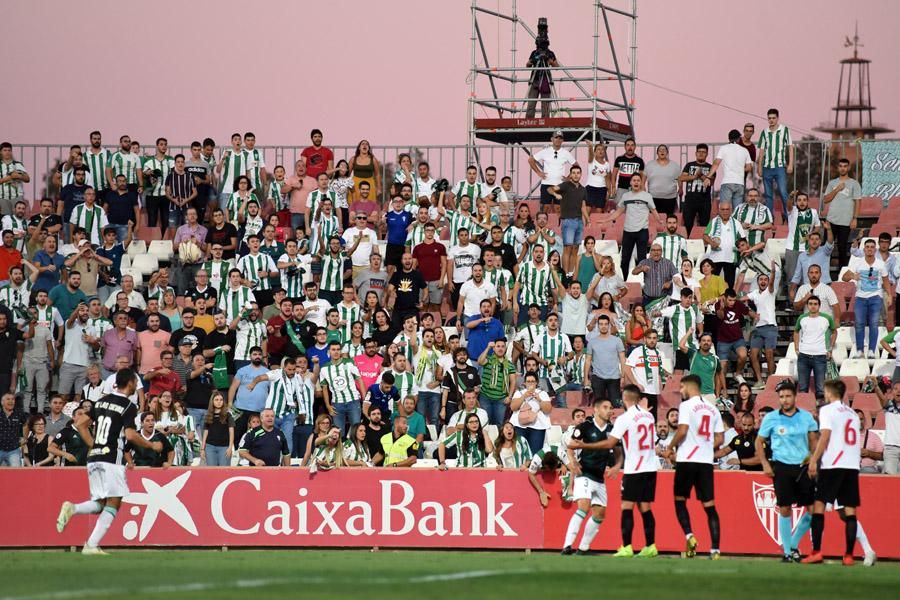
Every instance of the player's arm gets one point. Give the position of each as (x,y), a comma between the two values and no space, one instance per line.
(618,462)
(717,439)
(573,462)
(136,439)
(761,455)
(609,443)
(83,427)
(680,434)
(541,492)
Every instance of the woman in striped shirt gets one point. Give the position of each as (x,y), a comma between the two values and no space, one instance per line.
(511,451)
(472,445)
(356,450)
(578,369)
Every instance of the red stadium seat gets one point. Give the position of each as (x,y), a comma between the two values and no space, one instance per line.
(845,292)
(807,401)
(867,402)
(561,417)
(879,420)
(852,384)
(766,398)
(774,380)
(870,206)
(889,226)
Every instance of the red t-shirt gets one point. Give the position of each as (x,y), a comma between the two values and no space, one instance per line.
(429,257)
(9,257)
(731,327)
(317,160)
(165,383)
(276,342)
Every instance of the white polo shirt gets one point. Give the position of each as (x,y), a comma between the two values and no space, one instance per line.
(553,163)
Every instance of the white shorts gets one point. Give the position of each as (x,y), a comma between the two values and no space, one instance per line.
(588,489)
(107,481)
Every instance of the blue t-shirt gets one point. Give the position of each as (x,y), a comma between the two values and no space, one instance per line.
(396,226)
(322,353)
(788,435)
(244,399)
(72,195)
(482,334)
(381,399)
(48,279)
(66,301)
(114,254)
(120,207)
(416,423)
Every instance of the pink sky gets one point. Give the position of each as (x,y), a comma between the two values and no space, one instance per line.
(394,71)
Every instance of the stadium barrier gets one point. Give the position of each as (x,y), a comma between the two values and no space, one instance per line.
(461,508)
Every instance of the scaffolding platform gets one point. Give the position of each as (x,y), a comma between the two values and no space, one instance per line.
(536,130)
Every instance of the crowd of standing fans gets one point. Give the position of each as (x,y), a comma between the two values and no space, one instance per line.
(318,313)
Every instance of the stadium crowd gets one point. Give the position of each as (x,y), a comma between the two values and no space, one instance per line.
(293,314)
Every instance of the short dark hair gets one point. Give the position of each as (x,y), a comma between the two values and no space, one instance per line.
(702,146)
(772,111)
(692,379)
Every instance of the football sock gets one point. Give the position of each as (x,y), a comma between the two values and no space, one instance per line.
(627,526)
(574,526)
(88,508)
(590,532)
(862,538)
(712,518)
(684,518)
(784,532)
(649,527)
(103,522)
(850,533)
(818,526)
(802,527)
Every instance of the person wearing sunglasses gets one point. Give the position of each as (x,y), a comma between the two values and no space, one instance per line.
(871,276)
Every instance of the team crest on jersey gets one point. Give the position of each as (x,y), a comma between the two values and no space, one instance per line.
(767,511)
(781,430)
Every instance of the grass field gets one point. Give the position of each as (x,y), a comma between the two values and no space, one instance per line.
(423,575)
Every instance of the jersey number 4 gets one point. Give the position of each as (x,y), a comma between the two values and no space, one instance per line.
(704,429)
(103,425)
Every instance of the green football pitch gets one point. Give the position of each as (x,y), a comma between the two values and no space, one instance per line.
(424,575)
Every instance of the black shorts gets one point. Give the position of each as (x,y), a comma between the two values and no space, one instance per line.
(696,476)
(792,485)
(393,254)
(838,485)
(596,197)
(639,487)
(546,198)
(682,361)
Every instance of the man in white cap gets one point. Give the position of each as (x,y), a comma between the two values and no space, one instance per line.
(552,165)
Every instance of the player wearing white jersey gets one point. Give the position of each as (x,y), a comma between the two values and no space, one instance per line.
(636,429)
(838,481)
(700,433)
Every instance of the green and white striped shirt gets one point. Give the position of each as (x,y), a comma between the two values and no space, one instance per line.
(315,199)
(218,273)
(293,284)
(67,176)
(157,292)
(333,272)
(404,342)
(680,320)
(357,451)
(96,165)
(351,349)
(255,165)
(233,301)
(800,223)
(774,146)
(499,278)
(533,282)
(405,383)
(551,348)
(16,297)
(13,223)
(521,454)
(746,214)
(540,241)
(674,247)
(575,368)
(101,325)
(416,236)
(340,377)
(234,167)
(456,221)
(253,226)
(323,229)
(237,205)
(305,395)
(515,237)
(425,364)
(282,396)
(164,165)
(475,191)
(248,335)
(127,164)
(349,314)
(473,457)
(92,219)
(275,194)
(11,190)
(250,265)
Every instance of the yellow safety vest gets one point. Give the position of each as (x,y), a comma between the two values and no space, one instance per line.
(396,451)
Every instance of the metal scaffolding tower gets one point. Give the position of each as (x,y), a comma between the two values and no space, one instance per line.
(590,100)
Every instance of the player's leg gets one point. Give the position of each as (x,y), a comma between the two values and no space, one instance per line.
(682,491)
(741,362)
(818,528)
(70,509)
(806,495)
(706,494)
(598,513)
(104,521)
(582,495)
(627,526)
(649,521)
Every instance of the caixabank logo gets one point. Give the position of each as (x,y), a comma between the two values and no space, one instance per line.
(263,510)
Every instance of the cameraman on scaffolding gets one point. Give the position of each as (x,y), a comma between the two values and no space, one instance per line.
(540,84)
